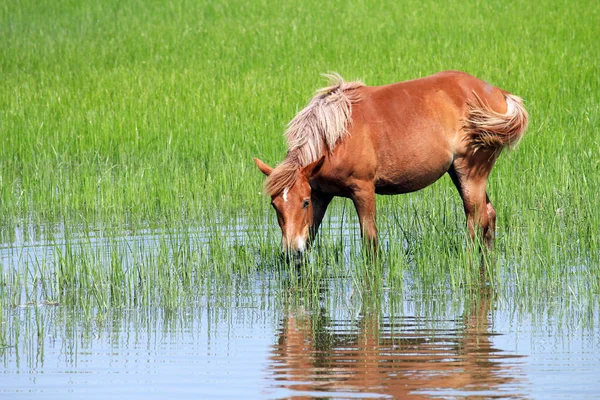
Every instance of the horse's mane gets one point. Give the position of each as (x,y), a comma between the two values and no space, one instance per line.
(314,130)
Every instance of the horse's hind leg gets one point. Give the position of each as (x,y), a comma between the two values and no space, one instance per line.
(471,182)
(492,219)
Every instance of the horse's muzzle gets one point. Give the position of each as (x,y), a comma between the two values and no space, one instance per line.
(293,256)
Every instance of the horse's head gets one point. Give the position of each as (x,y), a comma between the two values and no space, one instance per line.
(294,208)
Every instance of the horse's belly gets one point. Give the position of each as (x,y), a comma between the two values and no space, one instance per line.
(406,180)
(401,187)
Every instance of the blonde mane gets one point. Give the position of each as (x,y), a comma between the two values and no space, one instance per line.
(315,130)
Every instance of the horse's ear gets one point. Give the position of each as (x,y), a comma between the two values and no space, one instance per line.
(314,167)
(264,168)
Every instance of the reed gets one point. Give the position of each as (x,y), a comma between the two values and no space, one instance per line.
(128,130)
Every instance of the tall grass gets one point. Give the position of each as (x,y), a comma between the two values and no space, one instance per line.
(122,116)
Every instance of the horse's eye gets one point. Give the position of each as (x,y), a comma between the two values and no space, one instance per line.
(305,203)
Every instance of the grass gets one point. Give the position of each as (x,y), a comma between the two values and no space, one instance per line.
(130,118)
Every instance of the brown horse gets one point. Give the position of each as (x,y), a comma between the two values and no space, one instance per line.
(356,141)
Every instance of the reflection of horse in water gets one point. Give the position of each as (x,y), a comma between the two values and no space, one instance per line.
(401,358)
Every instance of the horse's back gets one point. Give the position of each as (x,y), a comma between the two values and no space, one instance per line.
(406,135)
(447,90)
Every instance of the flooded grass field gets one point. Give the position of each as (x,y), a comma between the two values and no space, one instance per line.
(351,330)
(259,347)
(140,258)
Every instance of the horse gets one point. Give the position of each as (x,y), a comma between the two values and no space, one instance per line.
(356,141)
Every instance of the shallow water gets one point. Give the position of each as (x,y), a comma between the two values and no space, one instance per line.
(258,346)
(266,335)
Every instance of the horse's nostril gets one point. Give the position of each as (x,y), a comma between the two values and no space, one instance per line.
(298,257)
(293,256)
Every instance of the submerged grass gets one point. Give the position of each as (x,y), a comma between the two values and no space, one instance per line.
(139,120)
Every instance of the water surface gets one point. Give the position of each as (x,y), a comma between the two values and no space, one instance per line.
(268,334)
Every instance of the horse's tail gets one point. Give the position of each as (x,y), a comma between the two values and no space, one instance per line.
(490,130)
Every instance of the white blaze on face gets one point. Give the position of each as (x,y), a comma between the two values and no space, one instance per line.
(285,192)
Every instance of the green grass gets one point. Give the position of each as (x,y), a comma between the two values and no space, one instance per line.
(122,116)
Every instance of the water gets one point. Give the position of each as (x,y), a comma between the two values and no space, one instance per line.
(259,347)
(269,335)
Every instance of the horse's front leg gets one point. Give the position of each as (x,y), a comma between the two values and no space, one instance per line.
(320,202)
(363,197)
